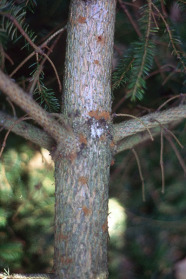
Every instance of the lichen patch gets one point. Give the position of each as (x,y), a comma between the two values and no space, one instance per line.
(83,179)
(82,139)
(86,210)
(99,114)
(81,19)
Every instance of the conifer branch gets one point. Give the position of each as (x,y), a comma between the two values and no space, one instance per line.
(132,127)
(24,101)
(25,117)
(132,116)
(138,86)
(139,138)
(23,33)
(28,276)
(132,141)
(172,40)
(27,131)
(44,44)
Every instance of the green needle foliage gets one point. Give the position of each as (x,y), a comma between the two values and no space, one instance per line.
(45,96)
(138,60)
(13,13)
(26,209)
(143,55)
(123,72)
(9,10)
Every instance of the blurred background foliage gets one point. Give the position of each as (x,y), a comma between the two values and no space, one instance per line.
(147,239)
(27,208)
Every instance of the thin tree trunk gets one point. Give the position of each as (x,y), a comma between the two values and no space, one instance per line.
(82,175)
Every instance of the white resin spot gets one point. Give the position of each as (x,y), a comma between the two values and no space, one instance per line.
(96,130)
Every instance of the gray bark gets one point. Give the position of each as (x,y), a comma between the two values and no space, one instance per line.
(82,175)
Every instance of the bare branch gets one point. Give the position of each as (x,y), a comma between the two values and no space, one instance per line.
(9,130)
(24,101)
(28,276)
(132,127)
(137,118)
(132,141)
(139,138)
(27,131)
(23,33)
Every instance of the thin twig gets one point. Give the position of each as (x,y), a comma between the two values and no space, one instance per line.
(155,22)
(131,127)
(121,101)
(22,63)
(27,131)
(178,155)
(170,36)
(175,149)
(163,9)
(33,53)
(132,116)
(9,58)
(56,73)
(172,134)
(161,158)
(176,139)
(140,173)
(35,80)
(167,101)
(2,55)
(162,165)
(12,106)
(161,70)
(8,132)
(131,4)
(23,33)
(168,77)
(130,18)
(45,43)
(39,70)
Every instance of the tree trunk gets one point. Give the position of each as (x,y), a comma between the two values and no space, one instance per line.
(82,174)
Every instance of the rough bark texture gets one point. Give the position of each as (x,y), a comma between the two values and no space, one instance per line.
(24,101)
(82,175)
(151,120)
(26,130)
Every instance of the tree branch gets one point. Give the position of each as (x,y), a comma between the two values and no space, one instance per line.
(28,276)
(24,101)
(27,131)
(152,120)
(131,141)
(139,138)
